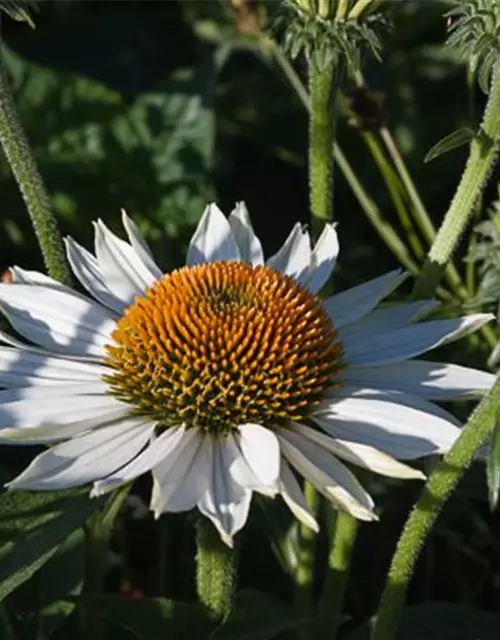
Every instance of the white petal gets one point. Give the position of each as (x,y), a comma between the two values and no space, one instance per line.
(160,448)
(28,348)
(225,502)
(85,458)
(86,268)
(387,319)
(327,474)
(21,276)
(56,319)
(140,246)
(248,243)
(353,304)
(407,342)
(260,448)
(294,257)
(431,380)
(213,239)
(20,368)
(403,426)
(123,270)
(323,259)
(55,405)
(181,479)
(294,498)
(361,455)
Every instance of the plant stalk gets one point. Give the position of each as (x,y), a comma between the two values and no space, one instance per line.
(22,162)
(438,489)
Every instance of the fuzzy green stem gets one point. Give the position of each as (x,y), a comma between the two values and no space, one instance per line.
(483,152)
(98,531)
(437,490)
(24,168)
(339,564)
(216,575)
(323,85)
(306,548)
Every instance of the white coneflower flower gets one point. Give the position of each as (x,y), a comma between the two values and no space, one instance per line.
(224,377)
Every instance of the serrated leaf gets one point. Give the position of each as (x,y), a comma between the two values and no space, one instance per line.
(18,10)
(493,467)
(439,621)
(32,526)
(152,618)
(258,616)
(458,138)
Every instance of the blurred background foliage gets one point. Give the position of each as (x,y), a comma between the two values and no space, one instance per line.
(159,107)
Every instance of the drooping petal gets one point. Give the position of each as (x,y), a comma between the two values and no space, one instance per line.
(181,479)
(407,342)
(327,474)
(361,455)
(294,257)
(355,303)
(123,270)
(260,448)
(140,246)
(323,259)
(225,502)
(28,407)
(21,368)
(213,239)
(86,268)
(85,458)
(294,498)
(431,380)
(56,320)
(244,235)
(403,426)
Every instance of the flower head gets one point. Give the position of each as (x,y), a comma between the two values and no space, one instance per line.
(224,377)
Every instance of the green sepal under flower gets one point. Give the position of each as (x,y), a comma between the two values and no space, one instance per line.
(475,35)
(324,39)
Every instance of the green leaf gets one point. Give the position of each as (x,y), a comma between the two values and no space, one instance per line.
(493,467)
(458,138)
(32,526)
(440,621)
(257,616)
(153,618)
(18,10)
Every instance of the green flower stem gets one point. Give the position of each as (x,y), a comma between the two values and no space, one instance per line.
(437,490)
(323,85)
(216,576)
(23,165)
(306,548)
(483,152)
(98,531)
(339,563)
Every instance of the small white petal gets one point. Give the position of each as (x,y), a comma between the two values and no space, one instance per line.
(55,405)
(361,455)
(323,259)
(21,368)
(180,480)
(162,446)
(248,243)
(57,320)
(407,342)
(260,448)
(140,246)
(86,268)
(294,498)
(28,348)
(213,239)
(431,380)
(122,268)
(294,257)
(355,303)
(21,276)
(403,426)
(327,474)
(85,458)
(225,502)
